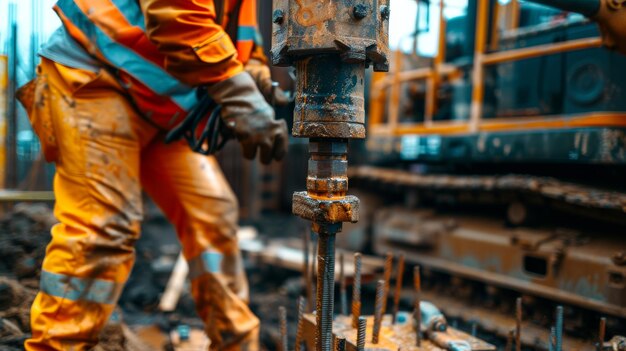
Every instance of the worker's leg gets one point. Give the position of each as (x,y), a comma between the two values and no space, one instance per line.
(193,193)
(88,128)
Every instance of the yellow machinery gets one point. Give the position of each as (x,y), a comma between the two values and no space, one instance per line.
(497,48)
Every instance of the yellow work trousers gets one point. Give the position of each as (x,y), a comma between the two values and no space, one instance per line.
(105,154)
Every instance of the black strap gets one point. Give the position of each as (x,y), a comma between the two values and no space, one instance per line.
(232,28)
(219,10)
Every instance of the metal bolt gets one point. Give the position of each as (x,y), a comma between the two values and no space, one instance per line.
(396,295)
(360,337)
(378,311)
(278,16)
(559,328)
(282,316)
(518,324)
(387,280)
(385,12)
(418,310)
(359,11)
(356,291)
(342,290)
(300,331)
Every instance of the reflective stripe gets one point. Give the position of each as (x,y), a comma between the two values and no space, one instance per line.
(132,12)
(80,289)
(153,76)
(247,33)
(206,262)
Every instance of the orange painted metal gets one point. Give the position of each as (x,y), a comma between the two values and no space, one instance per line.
(541,50)
(478,91)
(4,73)
(481,59)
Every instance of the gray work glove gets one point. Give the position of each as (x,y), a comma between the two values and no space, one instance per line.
(262,76)
(247,114)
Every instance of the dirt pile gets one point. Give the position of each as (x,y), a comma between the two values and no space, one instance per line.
(24,235)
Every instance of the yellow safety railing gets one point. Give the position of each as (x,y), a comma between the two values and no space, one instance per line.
(433,75)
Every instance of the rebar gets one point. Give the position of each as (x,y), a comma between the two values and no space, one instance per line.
(387,280)
(518,324)
(342,283)
(306,273)
(361,330)
(418,310)
(282,317)
(601,333)
(378,310)
(325,289)
(356,291)
(396,295)
(300,326)
(474,329)
(509,341)
(559,328)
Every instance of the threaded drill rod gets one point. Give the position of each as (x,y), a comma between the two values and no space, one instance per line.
(342,282)
(306,273)
(559,328)
(418,310)
(325,290)
(518,324)
(282,316)
(360,338)
(378,311)
(387,280)
(601,333)
(356,291)
(300,331)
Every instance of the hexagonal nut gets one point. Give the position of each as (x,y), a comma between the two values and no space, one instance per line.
(326,211)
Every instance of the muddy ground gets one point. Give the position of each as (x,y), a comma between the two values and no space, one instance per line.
(25,232)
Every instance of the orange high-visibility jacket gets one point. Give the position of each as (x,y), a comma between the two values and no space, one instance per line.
(161,50)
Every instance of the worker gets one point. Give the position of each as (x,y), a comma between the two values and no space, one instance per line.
(112,81)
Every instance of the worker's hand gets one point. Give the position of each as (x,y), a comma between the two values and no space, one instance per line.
(245,111)
(262,76)
(612,22)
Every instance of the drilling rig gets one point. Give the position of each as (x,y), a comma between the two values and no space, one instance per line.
(330,43)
